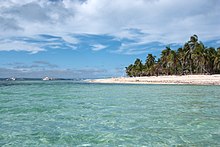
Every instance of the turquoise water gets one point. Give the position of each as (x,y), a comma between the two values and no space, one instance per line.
(66,113)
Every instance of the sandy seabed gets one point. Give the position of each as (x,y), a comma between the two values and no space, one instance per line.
(184,79)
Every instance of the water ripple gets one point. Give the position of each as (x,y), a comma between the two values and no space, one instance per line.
(80,114)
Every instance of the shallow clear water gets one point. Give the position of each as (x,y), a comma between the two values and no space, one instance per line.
(66,113)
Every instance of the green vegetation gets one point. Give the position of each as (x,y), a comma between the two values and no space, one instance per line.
(192,58)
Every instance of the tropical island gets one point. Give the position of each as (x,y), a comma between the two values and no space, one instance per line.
(193,58)
(194,63)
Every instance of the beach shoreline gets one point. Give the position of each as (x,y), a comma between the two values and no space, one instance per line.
(174,79)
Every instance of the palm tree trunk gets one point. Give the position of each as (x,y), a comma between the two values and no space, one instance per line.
(190,65)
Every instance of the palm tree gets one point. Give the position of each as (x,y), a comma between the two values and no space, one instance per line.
(188,57)
(194,57)
(189,47)
(173,62)
(198,57)
(167,60)
(129,70)
(150,61)
(138,66)
(149,64)
(210,54)
(164,60)
(181,60)
(217,61)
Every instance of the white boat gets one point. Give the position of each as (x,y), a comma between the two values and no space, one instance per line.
(46,79)
(11,79)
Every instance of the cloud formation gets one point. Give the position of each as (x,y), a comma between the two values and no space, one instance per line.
(41,68)
(144,21)
(98,47)
(35,65)
(54,73)
(36,43)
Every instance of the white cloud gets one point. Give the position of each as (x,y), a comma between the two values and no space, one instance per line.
(70,39)
(9,45)
(167,21)
(98,47)
(37,43)
(54,73)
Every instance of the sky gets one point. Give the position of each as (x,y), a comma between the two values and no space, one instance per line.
(97,38)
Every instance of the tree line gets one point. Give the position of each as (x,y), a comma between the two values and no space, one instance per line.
(192,58)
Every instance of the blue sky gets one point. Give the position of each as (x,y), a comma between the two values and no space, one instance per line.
(97,38)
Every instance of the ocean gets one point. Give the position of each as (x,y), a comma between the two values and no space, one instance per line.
(74,113)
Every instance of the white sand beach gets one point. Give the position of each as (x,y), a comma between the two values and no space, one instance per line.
(185,79)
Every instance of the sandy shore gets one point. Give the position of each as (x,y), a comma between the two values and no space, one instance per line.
(186,79)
